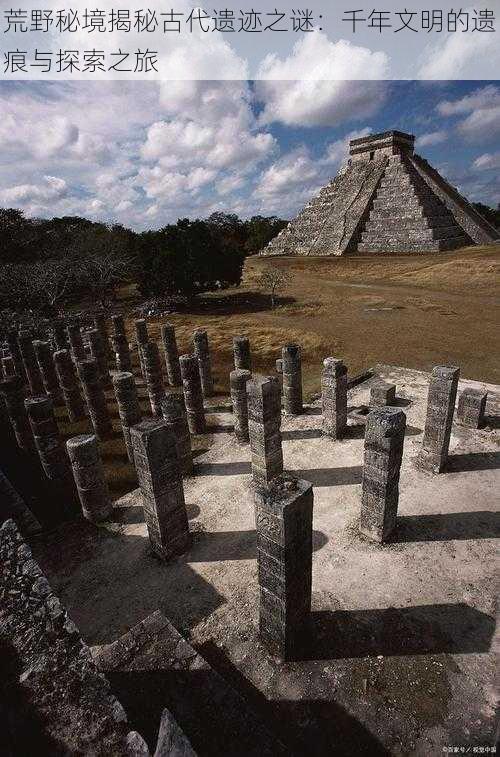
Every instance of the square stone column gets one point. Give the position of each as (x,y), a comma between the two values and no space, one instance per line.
(384,439)
(264,426)
(382,394)
(238,380)
(471,408)
(283,517)
(439,420)
(171,355)
(334,398)
(160,480)
(30,363)
(202,352)
(292,379)
(241,353)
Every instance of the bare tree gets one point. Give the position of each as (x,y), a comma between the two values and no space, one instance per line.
(274,280)
(101,273)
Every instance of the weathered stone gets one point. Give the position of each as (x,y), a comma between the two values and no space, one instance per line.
(100,324)
(12,390)
(439,420)
(88,472)
(160,480)
(471,408)
(60,336)
(238,382)
(99,352)
(264,425)
(45,360)
(153,376)
(202,353)
(193,395)
(93,392)
(174,415)
(384,439)
(128,407)
(30,363)
(142,337)
(15,353)
(66,374)
(334,398)
(292,379)
(76,342)
(387,199)
(382,394)
(8,366)
(47,439)
(283,520)
(241,353)
(171,355)
(172,741)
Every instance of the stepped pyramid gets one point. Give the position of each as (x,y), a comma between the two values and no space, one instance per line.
(387,199)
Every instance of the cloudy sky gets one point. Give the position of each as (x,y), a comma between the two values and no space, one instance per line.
(144,154)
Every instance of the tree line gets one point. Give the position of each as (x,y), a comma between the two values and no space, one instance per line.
(48,264)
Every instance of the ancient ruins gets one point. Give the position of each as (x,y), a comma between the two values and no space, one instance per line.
(386,199)
(298,537)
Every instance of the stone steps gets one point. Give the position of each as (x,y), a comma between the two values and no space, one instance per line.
(402,247)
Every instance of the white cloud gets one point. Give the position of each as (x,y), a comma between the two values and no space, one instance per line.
(483,109)
(431,138)
(321,99)
(460,55)
(51,188)
(487,161)
(485,97)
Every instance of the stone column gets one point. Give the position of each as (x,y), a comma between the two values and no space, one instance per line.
(94,396)
(47,439)
(8,366)
(382,394)
(60,336)
(128,407)
(202,353)
(193,395)
(120,346)
(264,422)
(153,376)
(471,408)
(292,379)
(384,439)
(174,415)
(238,380)
(88,472)
(44,356)
(160,480)
(30,363)
(142,337)
(171,354)
(439,420)
(76,342)
(100,324)
(334,398)
(12,390)
(283,518)
(66,374)
(16,353)
(241,353)
(98,352)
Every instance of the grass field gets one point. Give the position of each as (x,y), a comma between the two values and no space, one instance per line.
(410,311)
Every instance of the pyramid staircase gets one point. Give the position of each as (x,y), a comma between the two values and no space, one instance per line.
(329,221)
(407,216)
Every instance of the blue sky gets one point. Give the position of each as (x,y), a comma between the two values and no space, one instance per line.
(144,154)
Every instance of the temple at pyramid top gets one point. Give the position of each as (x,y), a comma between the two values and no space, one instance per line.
(386,199)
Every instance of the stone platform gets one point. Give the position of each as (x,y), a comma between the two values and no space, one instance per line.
(399,656)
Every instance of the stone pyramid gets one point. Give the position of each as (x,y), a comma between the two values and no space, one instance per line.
(387,199)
